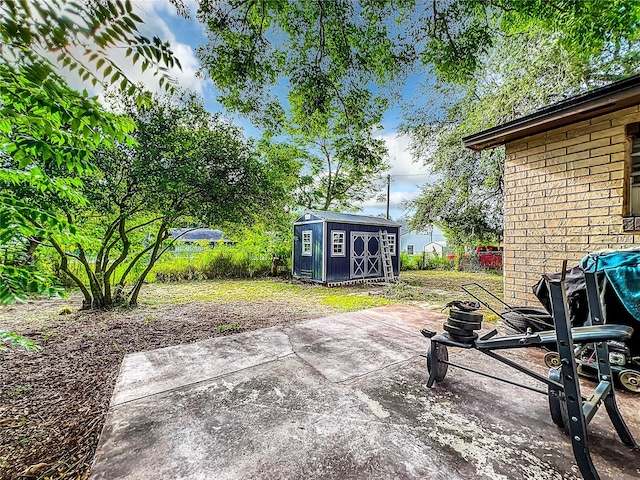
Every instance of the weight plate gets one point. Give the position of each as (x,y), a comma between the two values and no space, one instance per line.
(460,332)
(463,324)
(466,316)
(460,339)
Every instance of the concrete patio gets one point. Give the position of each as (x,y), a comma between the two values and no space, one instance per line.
(335,398)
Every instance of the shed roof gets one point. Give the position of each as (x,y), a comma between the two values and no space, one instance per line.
(599,101)
(349,218)
(197,234)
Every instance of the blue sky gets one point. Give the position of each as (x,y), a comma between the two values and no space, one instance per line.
(185,35)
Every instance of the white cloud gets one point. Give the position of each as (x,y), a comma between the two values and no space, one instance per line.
(153,13)
(402,163)
(407,177)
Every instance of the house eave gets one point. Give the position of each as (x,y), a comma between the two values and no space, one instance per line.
(615,96)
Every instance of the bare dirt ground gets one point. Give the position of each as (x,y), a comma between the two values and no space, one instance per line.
(53,402)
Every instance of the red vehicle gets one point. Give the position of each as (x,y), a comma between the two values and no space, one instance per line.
(490,256)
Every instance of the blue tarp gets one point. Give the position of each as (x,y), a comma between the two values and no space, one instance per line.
(622,269)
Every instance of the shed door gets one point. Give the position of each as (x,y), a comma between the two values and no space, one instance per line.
(365,255)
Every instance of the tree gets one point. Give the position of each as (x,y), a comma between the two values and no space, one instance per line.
(461,34)
(342,159)
(187,166)
(323,53)
(45,125)
(327,52)
(519,75)
(328,112)
(344,171)
(324,50)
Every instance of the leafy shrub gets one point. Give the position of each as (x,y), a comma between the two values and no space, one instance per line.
(251,257)
(438,262)
(172,268)
(425,261)
(409,262)
(233,262)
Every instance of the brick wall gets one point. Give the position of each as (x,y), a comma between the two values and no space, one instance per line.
(565,197)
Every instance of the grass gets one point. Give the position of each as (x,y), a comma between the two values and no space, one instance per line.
(439,287)
(427,288)
(229,327)
(348,298)
(449,281)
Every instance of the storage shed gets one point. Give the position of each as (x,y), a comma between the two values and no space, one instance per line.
(572,182)
(337,248)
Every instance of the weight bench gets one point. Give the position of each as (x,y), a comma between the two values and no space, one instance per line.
(569,409)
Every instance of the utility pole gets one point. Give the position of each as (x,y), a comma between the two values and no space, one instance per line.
(388,192)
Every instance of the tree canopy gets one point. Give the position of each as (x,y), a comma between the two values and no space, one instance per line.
(324,52)
(46,126)
(492,60)
(518,75)
(186,166)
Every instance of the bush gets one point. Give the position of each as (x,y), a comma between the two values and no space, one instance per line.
(409,262)
(437,262)
(425,261)
(251,257)
(172,268)
(220,262)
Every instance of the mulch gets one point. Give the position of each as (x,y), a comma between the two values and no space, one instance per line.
(53,402)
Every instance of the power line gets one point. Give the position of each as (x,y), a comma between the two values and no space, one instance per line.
(413,175)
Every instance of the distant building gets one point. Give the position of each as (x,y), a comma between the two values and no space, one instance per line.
(195,239)
(414,242)
(435,248)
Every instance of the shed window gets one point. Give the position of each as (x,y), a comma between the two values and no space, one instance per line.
(410,249)
(306,243)
(337,244)
(392,243)
(634,199)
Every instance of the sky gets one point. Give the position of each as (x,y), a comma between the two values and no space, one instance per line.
(185,35)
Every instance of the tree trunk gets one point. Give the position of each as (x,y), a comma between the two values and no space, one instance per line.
(162,235)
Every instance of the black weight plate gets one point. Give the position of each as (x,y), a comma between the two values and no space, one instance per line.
(459,332)
(466,316)
(464,325)
(461,339)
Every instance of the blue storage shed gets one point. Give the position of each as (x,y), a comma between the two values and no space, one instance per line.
(337,248)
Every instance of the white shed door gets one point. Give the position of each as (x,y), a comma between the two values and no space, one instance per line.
(365,255)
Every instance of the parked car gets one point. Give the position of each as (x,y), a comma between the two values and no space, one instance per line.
(490,256)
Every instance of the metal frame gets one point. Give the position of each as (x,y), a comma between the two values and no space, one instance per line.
(563,383)
(505,306)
